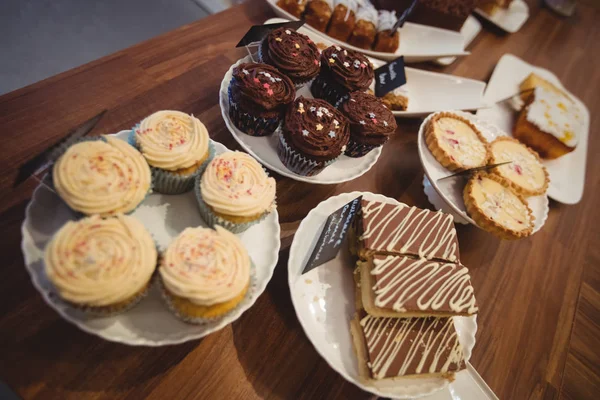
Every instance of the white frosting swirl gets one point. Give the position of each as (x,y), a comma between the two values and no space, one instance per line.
(367,12)
(386,21)
(236,184)
(206,266)
(97,177)
(100,262)
(172,140)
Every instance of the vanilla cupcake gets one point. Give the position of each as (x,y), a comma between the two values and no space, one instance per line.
(205,274)
(105,176)
(177,147)
(235,192)
(101,266)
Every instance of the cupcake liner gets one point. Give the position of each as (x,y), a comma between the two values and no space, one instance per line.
(250,124)
(296,162)
(328,90)
(355,149)
(212,219)
(206,320)
(168,182)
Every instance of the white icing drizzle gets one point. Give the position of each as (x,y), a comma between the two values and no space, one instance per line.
(351,5)
(386,20)
(439,241)
(435,351)
(408,278)
(367,12)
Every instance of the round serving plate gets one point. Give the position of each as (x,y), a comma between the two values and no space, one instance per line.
(149,323)
(264,148)
(323,299)
(451,190)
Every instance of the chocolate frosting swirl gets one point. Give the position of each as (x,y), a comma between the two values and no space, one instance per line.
(316,129)
(348,68)
(370,120)
(260,87)
(292,53)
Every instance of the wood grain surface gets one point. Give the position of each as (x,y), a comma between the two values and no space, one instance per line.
(539,297)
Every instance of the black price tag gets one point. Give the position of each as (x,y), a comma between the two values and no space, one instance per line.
(333,234)
(390,77)
(257,32)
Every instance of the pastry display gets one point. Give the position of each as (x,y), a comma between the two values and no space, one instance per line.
(401,286)
(235,192)
(343,19)
(456,142)
(292,53)
(365,29)
(390,229)
(102,266)
(342,72)
(313,136)
(387,40)
(177,148)
(102,176)
(258,97)
(550,123)
(397,99)
(491,7)
(294,7)
(496,208)
(318,13)
(392,348)
(526,174)
(371,123)
(204,274)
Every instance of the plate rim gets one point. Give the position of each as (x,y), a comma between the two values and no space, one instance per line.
(494,20)
(27,240)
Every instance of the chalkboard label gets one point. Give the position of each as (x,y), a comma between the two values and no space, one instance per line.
(390,77)
(257,32)
(333,234)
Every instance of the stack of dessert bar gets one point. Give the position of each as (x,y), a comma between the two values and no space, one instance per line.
(410,283)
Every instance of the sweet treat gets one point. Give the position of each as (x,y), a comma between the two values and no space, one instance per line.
(445,14)
(314,135)
(102,176)
(102,266)
(205,274)
(456,142)
(400,286)
(491,7)
(235,192)
(294,7)
(343,19)
(177,148)
(292,53)
(550,123)
(342,72)
(532,81)
(258,97)
(393,348)
(397,99)
(363,34)
(371,123)
(318,13)
(526,175)
(496,208)
(397,229)
(387,39)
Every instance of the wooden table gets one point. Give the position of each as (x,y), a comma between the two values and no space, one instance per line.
(528,290)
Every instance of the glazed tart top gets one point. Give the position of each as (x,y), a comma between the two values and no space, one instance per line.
(460,140)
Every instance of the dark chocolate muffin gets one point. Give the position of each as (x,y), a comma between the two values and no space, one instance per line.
(342,71)
(314,135)
(258,96)
(292,53)
(371,123)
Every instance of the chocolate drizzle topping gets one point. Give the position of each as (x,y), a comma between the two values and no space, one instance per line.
(292,53)
(370,120)
(260,87)
(348,68)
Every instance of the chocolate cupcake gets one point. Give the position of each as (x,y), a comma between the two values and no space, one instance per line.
(342,71)
(313,136)
(258,96)
(371,123)
(292,53)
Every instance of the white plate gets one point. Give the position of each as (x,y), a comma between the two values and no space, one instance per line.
(436,200)
(324,302)
(567,173)
(428,92)
(510,19)
(451,190)
(418,43)
(149,323)
(469,31)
